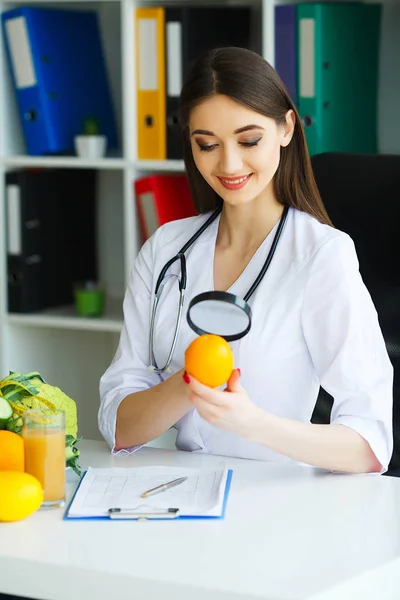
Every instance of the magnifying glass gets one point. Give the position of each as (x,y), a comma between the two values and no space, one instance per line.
(219,313)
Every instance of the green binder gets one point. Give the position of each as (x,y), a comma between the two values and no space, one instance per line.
(338,49)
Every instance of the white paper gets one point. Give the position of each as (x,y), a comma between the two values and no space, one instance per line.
(307,58)
(101,489)
(148,55)
(14,242)
(174,58)
(20,52)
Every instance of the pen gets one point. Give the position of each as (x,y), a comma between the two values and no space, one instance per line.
(163,487)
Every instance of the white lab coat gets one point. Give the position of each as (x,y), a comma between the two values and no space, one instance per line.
(313,323)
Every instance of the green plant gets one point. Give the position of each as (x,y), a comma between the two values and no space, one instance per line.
(91,126)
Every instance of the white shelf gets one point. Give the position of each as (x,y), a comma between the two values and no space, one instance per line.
(160,165)
(105,163)
(66,318)
(63,162)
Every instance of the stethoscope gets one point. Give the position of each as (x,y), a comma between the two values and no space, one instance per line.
(220,313)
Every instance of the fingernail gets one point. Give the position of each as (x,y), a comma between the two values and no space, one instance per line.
(186,377)
(239,371)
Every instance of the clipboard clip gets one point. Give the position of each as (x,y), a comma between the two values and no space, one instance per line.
(143,515)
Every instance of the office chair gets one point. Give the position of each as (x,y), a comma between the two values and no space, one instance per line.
(361,193)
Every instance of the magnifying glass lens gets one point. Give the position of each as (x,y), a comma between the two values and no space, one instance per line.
(219,313)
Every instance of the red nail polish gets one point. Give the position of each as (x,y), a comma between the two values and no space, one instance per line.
(186,377)
(239,372)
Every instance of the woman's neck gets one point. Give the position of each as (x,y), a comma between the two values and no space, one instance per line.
(243,228)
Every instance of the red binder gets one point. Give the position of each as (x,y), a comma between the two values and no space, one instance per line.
(161,199)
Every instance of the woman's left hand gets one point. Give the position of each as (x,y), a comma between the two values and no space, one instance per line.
(229,409)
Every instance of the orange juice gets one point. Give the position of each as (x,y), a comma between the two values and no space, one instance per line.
(45,460)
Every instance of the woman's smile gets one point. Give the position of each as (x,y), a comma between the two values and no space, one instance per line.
(235,183)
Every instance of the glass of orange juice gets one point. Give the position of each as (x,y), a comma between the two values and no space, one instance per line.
(44,437)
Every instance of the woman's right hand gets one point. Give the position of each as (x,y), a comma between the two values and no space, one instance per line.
(143,416)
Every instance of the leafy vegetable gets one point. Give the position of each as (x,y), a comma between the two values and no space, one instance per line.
(30,391)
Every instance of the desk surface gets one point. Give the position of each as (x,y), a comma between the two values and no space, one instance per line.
(289,533)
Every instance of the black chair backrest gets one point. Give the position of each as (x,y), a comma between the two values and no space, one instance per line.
(361,194)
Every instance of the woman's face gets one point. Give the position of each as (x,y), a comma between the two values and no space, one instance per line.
(235,149)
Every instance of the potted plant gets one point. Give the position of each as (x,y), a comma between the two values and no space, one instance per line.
(91,143)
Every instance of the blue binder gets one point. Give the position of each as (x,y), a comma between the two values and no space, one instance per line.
(59,75)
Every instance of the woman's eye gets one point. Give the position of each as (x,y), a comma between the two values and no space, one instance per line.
(206,148)
(250,144)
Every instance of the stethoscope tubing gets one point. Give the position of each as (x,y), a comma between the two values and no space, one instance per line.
(183,281)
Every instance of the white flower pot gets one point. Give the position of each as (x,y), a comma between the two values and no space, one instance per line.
(90,146)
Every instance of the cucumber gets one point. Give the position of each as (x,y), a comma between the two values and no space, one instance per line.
(5,412)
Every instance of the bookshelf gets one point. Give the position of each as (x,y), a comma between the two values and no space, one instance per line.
(73,352)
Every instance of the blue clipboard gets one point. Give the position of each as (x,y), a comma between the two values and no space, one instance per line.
(171,513)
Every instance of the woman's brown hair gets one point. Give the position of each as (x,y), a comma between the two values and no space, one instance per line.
(247,78)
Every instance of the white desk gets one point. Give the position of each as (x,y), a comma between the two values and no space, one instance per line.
(289,533)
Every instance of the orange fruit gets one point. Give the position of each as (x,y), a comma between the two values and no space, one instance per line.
(209,359)
(12,452)
(21,495)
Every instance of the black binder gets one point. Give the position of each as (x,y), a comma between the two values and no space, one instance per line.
(198,29)
(51,236)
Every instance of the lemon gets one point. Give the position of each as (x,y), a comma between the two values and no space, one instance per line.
(20,495)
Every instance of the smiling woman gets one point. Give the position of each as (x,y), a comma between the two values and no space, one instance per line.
(270,241)
(235,100)
(238,158)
